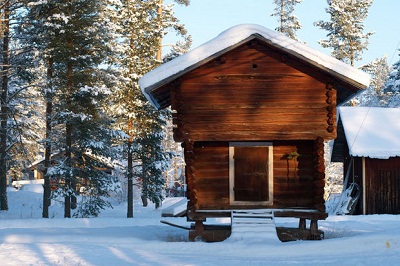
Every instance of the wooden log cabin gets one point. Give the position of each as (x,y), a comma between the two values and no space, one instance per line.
(252,109)
(368,144)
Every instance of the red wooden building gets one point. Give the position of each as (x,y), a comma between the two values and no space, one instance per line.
(368,144)
(252,109)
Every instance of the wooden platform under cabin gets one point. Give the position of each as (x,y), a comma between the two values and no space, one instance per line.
(246,222)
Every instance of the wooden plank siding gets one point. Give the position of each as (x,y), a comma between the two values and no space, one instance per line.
(294,179)
(382,184)
(253,93)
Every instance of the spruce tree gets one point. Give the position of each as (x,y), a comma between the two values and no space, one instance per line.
(17,127)
(393,82)
(40,33)
(374,95)
(143,25)
(288,23)
(5,67)
(345,29)
(76,40)
(392,86)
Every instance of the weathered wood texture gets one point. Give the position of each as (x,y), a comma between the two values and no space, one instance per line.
(212,174)
(254,92)
(382,185)
(190,173)
(297,181)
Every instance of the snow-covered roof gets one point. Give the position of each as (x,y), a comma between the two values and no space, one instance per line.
(237,35)
(371,131)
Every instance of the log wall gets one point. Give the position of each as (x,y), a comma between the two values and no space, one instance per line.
(294,179)
(254,93)
(250,93)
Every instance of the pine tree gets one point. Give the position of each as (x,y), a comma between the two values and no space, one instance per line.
(374,95)
(288,24)
(143,25)
(76,39)
(379,70)
(394,100)
(334,173)
(346,34)
(392,86)
(149,151)
(5,66)
(17,127)
(174,174)
(393,82)
(39,34)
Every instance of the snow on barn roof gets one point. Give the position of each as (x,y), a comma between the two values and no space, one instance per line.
(371,131)
(235,36)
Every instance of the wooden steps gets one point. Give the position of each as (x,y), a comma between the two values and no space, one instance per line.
(254,225)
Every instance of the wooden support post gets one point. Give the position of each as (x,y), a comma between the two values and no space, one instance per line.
(314,229)
(199,230)
(302,224)
(302,228)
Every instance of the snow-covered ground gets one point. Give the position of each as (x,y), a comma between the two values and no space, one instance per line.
(112,239)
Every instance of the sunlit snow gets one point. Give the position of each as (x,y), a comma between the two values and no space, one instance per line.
(112,239)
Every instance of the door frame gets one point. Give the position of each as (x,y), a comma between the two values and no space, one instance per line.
(232,146)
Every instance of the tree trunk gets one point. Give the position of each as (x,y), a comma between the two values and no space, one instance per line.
(352,53)
(159,58)
(68,176)
(68,142)
(144,185)
(74,202)
(130,180)
(159,51)
(47,163)
(130,170)
(282,15)
(47,151)
(145,202)
(4,108)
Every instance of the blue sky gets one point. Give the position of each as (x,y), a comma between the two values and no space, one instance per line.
(205,19)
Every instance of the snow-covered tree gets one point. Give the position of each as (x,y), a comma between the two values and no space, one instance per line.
(174,175)
(379,70)
(5,68)
(345,29)
(39,35)
(374,95)
(288,23)
(394,100)
(143,24)
(392,86)
(334,173)
(73,40)
(393,81)
(17,126)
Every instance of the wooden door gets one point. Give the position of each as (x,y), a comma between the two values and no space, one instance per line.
(251,174)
